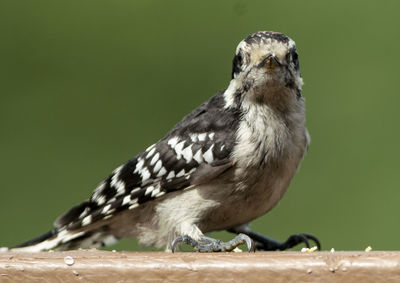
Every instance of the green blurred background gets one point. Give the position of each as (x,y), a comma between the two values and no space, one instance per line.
(85,85)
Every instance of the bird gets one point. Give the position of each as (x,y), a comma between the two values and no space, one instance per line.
(226,163)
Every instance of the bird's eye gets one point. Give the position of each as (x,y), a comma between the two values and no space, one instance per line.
(237,64)
(240,58)
(295,59)
(295,56)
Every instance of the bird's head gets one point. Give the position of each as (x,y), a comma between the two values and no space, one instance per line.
(266,68)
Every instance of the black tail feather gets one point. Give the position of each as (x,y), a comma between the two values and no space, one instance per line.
(39,239)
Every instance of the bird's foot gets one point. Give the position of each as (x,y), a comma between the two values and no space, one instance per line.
(268,244)
(206,244)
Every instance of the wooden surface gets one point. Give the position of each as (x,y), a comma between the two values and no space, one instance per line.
(103,266)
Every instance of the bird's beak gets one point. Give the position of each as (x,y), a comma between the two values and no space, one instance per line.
(271,62)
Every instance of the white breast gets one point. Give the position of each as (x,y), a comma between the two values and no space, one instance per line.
(260,136)
(268,152)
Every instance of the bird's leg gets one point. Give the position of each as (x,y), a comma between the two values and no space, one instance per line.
(268,244)
(207,244)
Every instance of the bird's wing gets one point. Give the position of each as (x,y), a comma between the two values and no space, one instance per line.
(195,151)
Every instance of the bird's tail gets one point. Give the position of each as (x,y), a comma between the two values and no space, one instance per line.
(61,239)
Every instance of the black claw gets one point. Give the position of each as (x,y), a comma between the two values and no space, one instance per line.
(314,239)
(296,239)
(268,244)
(300,238)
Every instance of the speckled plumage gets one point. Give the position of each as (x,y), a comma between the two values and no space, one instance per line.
(226,163)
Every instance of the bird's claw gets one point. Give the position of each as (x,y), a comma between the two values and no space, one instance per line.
(206,244)
(291,242)
(296,239)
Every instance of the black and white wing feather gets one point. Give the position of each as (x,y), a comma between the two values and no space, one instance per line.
(195,151)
